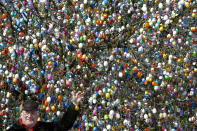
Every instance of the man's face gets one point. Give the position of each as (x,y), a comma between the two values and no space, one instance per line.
(29,118)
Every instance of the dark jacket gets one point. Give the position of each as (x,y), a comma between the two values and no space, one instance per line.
(64,124)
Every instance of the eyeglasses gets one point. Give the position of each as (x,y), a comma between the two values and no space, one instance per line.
(29,112)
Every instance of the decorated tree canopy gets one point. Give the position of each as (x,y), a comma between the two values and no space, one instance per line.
(135,60)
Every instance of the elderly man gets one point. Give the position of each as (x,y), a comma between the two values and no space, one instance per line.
(30,113)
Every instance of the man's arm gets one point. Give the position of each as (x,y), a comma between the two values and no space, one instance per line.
(72,112)
(68,119)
